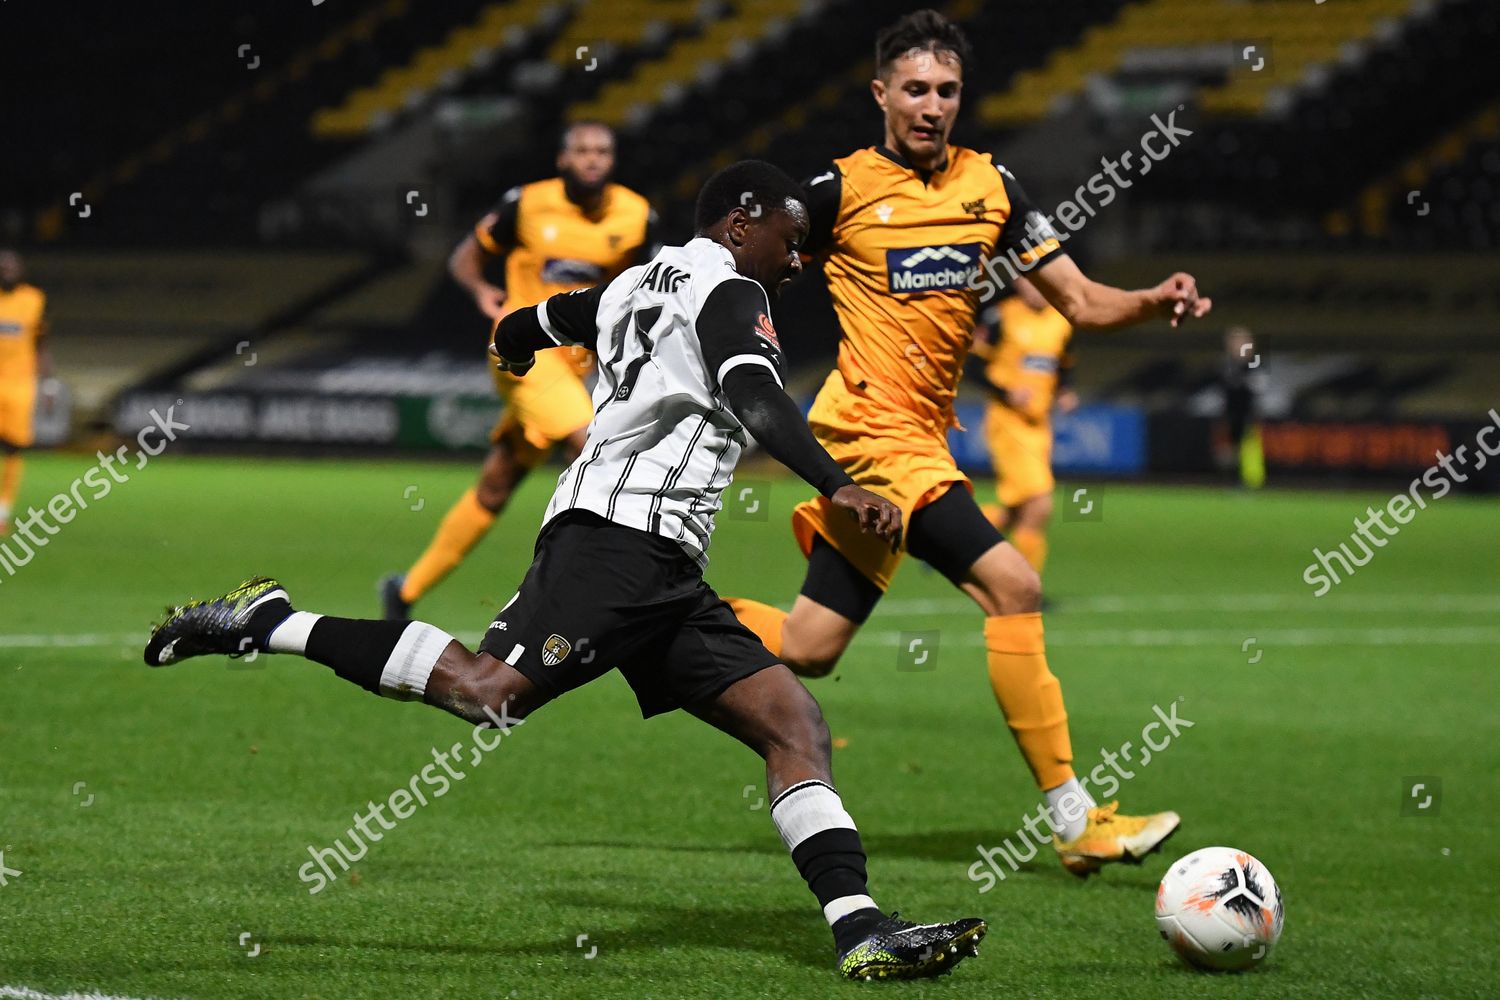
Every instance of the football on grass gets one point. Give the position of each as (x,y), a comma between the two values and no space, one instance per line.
(1219,909)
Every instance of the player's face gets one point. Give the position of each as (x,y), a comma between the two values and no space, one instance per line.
(588,157)
(772,248)
(920,99)
(10,269)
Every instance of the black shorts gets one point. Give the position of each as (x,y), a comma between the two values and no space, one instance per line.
(600,596)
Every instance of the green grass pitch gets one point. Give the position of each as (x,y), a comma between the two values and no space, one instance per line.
(157,816)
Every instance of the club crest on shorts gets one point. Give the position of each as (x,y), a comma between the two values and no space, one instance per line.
(555,650)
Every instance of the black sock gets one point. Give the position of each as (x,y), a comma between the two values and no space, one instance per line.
(833,863)
(850,930)
(357,649)
(264,619)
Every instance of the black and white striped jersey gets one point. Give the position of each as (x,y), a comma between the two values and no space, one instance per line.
(663,443)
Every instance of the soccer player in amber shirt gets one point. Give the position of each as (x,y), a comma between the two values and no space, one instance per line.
(1024,371)
(908,225)
(23,356)
(573,231)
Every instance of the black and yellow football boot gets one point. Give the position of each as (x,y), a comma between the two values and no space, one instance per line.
(899,949)
(235,624)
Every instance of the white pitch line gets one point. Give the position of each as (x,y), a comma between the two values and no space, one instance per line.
(22,993)
(1057,636)
(1106,604)
(1264,638)
(96,640)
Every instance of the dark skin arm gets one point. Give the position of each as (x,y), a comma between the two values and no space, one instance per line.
(774,420)
(873,512)
(466,265)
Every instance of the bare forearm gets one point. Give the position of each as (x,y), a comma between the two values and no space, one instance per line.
(1093,306)
(466,265)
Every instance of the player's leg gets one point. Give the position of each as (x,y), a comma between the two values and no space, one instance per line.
(547,407)
(521,663)
(847,573)
(16,406)
(1028,523)
(10,483)
(955,538)
(836,599)
(467,521)
(1022,456)
(774,715)
(408,661)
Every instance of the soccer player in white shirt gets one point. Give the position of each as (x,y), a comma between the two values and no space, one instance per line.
(690,368)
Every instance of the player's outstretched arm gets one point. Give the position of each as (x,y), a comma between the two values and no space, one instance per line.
(771,416)
(568,318)
(1089,305)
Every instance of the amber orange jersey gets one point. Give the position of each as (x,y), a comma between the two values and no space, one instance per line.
(907,267)
(553,246)
(21,324)
(1031,352)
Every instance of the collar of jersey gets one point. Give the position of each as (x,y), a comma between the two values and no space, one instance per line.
(901,161)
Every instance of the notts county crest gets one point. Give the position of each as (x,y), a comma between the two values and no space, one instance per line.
(555,650)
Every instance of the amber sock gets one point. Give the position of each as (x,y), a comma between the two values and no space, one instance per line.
(1029,695)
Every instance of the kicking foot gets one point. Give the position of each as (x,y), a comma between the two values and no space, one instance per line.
(392,607)
(1110,837)
(232,625)
(900,949)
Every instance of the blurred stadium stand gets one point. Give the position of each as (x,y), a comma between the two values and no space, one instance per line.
(292,176)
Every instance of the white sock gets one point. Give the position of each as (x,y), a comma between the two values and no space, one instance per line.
(410,663)
(845,905)
(291,635)
(807,808)
(1068,808)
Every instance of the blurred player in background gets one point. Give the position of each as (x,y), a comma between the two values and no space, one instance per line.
(23,358)
(1026,369)
(1242,450)
(909,224)
(573,231)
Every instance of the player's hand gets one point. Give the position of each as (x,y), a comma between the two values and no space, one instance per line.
(516,368)
(873,512)
(1179,301)
(1067,401)
(491,301)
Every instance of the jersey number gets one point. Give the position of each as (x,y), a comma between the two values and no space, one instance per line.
(643,320)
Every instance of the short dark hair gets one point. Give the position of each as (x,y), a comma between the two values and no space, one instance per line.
(567,132)
(748,184)
(920,31)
